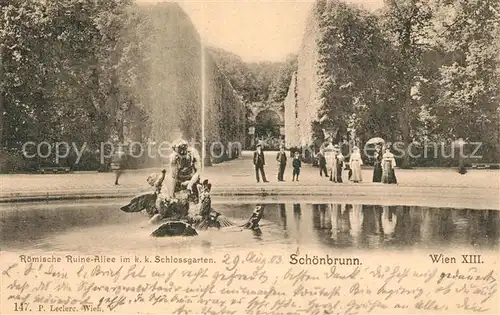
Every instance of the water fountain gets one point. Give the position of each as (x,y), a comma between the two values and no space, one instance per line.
(181,87)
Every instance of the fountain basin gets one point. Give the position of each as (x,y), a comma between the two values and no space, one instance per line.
(91,226)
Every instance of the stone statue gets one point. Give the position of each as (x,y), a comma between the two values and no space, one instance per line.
(185,166)
(184,203)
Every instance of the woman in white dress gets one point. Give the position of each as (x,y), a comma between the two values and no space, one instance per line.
(355,163)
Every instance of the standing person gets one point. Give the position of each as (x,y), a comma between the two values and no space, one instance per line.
(377,167)
(259,162)
(329,157)
(461,163)
(338,164)
(118,163)
(388,165)
(296,164)
(281,159)
(355,165)
(322,163)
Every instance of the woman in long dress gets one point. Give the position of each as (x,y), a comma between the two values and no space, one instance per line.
(355,164)
(338,164)
(388,165)
(377,167)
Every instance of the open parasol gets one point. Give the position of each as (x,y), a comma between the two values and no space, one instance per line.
(375,140)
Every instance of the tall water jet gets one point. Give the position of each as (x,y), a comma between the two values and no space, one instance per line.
(178,83)
(203,101)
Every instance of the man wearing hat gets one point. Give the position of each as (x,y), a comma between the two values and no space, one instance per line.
(281,159)
(337,165)
(259,162)
(322,162)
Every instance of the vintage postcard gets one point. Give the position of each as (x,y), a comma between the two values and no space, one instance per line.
(281,157)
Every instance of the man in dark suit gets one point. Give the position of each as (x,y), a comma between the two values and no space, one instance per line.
(259,162)
(322,162)
(281,159)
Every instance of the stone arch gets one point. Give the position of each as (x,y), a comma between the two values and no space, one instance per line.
(257,110)
(268,123)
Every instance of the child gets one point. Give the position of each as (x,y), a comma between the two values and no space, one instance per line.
(296,163)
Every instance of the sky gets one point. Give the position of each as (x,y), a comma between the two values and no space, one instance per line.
(256,30)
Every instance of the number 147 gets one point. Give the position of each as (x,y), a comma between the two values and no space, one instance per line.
(20,307)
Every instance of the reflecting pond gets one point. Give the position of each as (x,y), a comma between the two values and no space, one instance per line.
(89,226)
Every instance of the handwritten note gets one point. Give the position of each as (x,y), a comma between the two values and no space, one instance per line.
(248,282)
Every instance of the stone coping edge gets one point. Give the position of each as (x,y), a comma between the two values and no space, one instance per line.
(438,198)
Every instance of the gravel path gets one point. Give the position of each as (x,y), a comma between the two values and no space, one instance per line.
(429,186)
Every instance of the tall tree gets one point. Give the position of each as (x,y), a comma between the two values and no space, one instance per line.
(407,23)
(469,81)
(54,56)
(279,86)
(256,81)
(349,65)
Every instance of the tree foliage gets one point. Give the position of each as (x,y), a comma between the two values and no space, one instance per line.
(60,64)
(73,70)
(417,70)
(468,80)
(93,71)
(256,81)
(351,51)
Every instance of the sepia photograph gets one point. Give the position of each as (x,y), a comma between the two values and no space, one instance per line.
(281,157)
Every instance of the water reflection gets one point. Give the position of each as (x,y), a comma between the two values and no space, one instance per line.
(371,226)
(283,219)
(330,225)
(297,214)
